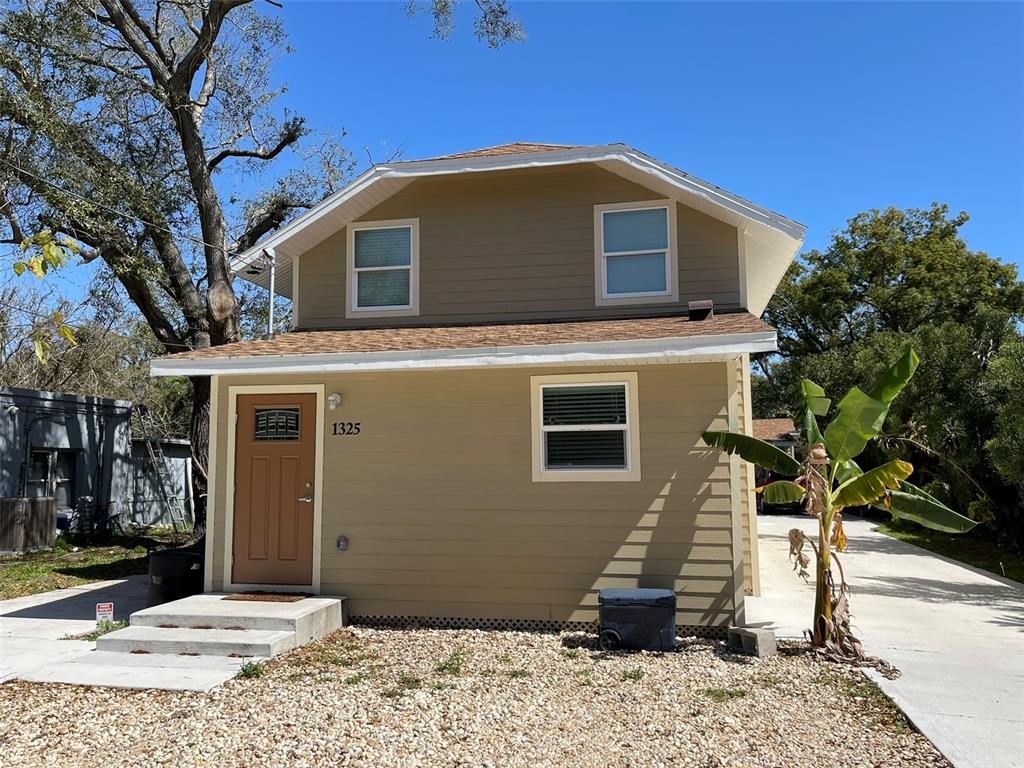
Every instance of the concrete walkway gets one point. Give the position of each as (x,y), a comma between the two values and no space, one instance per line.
(955,632)
(31,627)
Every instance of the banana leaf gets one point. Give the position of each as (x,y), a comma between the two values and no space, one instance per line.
(912,503)
(783,492)
(811,431)
(895,379)
(848,470)
(753,450)
(859,418)
(872,485)
(815,398)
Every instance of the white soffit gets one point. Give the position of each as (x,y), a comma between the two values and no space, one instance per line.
(772,240)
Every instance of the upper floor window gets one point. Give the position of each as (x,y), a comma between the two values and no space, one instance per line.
(383,268)
(635,253)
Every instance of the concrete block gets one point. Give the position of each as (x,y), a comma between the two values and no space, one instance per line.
(753,642)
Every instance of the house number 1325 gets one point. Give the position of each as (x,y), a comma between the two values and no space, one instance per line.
(345,428)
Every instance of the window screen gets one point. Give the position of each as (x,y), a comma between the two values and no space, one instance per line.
(276,424)
(635,251)
(584,427)
(382,262)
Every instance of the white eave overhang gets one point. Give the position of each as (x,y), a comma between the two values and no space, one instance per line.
(636,351)
(771,240)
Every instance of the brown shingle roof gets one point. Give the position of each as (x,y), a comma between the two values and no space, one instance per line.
(515,148)
(480,336)
(773,429)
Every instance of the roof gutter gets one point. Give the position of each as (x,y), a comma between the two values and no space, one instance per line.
(635,351)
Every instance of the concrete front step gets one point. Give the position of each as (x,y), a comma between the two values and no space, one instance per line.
(310,618)
(206,642)
(168,672)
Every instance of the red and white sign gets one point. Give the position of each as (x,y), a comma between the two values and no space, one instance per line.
(104,612)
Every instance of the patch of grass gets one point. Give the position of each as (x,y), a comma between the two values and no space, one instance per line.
(504,659)
(518,674)
(571,653)
(722,695)
(636,675)
(357,678)
(977,548)
(252,669)
(103,628)
(62,567)
(451,665)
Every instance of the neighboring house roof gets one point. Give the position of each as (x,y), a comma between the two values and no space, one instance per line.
(664,338)
(769,242)
(774,429)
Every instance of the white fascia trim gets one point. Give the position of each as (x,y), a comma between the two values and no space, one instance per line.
(639,350)
(605,152)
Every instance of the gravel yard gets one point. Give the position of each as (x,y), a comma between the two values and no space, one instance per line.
(367,697)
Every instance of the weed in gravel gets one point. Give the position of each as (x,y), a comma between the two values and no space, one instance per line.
(406,683)
(517,674)
(504,659)
(770,681)
(102,628)
(583,675)
(451,665)
(571,653)
(636,675)
(253,669)
(721,695)
(357,678)
(860,689)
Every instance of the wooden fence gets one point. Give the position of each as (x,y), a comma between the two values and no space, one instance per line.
(27,524)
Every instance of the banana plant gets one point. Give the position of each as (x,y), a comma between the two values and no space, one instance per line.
(829,481)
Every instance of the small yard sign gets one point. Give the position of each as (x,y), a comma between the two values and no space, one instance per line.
(104,612)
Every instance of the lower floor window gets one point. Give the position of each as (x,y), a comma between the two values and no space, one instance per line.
(586,427)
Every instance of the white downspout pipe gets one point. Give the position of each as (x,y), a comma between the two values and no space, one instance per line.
(271,256)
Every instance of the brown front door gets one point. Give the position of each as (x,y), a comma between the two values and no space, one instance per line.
(275,450)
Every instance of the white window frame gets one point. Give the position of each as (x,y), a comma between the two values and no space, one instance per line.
(630,473)
(352,310)
(601,296)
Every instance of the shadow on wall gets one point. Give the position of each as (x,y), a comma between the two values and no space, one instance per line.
(676,544)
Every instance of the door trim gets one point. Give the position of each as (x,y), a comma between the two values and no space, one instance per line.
(318,481)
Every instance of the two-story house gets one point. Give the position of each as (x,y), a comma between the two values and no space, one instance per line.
(491,405)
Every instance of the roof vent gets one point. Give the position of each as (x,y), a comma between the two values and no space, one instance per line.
(701,310)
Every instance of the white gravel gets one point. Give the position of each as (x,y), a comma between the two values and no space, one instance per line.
(367,697)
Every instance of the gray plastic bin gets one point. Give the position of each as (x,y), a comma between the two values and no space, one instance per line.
(640,619)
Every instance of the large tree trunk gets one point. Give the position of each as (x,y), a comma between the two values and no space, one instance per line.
(200,437)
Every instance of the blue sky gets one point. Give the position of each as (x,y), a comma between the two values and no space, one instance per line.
(815,110)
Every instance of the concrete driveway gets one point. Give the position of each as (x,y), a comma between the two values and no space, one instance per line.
(955,632)
(31,627)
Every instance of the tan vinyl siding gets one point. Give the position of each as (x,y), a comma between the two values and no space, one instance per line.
(516,245)
(748,508)
(443,519)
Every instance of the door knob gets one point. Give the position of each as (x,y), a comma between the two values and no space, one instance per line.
(307,499)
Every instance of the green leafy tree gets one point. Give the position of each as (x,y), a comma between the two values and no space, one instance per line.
(133,129)
(893,278)
(829,481)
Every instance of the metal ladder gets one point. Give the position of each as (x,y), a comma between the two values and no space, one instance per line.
(165,484)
